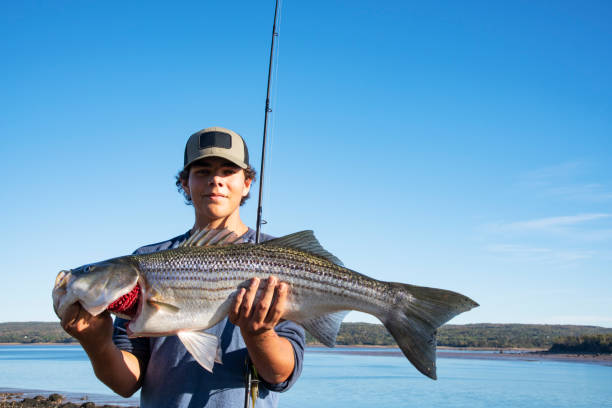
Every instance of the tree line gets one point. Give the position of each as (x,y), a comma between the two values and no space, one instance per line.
(557,338)
(484,335)
(601,344)
(33,332)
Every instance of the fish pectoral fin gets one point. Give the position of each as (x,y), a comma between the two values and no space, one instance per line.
(325,328)
(202,346)
(166,307)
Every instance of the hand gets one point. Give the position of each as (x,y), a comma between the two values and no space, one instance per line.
(89,330)
(272,355)
(259,317)
(119,370)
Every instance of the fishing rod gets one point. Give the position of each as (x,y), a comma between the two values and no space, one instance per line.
(265,129)
(252,381)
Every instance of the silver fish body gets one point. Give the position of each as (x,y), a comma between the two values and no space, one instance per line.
(190,288)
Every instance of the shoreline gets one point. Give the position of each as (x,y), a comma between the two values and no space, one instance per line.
(25,398)
(482,353)
(478,354)
(394,346)
(73,343)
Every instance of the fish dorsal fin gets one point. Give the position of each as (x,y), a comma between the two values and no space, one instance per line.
(210,237)
(304,241)
(325,328)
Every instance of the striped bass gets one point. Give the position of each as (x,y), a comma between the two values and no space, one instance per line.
(188,289)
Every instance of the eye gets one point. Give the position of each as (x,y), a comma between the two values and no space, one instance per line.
(87,269)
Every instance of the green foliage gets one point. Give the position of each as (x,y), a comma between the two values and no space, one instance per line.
(471,335)
(364,334)
(33,332)
(601,343)
(511,335)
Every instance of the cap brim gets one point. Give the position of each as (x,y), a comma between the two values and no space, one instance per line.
(222,155)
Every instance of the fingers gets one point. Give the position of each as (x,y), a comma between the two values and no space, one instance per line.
(254,313)
(235,308)
(71,316)
(81,325)
(249,298)
(277,309)
(262,307)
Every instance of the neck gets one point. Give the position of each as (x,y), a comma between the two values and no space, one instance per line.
(232,223)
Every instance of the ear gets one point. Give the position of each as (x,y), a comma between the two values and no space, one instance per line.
(185,185)
(247,186)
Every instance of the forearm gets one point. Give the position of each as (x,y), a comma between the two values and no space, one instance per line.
(118,369)
(272,355)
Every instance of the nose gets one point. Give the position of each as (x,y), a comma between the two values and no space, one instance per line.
(216,179)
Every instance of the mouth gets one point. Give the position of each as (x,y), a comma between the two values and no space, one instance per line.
(215,196)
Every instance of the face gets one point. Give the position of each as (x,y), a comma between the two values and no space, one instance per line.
(216,187)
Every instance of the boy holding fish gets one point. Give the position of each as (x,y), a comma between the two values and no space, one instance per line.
(216,180)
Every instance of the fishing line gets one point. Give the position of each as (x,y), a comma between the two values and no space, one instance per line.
(265,129)
(268,193)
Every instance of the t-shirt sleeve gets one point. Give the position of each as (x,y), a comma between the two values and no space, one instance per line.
(138,346)
(296,336)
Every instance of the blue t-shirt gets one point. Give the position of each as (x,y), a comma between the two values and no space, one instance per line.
(172,377)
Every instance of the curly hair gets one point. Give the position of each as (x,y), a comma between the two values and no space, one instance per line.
(183,175)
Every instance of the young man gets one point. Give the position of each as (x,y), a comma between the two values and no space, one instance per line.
(216,180)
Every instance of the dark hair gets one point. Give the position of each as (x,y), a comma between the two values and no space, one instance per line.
(249,174)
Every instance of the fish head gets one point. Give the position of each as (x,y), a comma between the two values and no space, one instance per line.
(94,286)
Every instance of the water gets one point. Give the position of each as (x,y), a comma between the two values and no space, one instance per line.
(352,380)
(349,380)
(63,369)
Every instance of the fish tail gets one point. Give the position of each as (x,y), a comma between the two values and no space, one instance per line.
(414,316)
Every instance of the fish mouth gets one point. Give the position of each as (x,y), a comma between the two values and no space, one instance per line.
(61,280)
(60,300)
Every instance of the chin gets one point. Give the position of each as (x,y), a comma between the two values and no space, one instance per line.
(216,213)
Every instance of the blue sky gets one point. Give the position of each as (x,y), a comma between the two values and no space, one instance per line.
(457,145)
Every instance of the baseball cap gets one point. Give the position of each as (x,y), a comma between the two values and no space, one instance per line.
(217,142)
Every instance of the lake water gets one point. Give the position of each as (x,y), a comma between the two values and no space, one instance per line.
(349,380)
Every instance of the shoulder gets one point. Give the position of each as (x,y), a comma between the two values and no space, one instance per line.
(249,236)
(160,246)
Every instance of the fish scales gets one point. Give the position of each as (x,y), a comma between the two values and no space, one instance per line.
(224,268)
(288,265)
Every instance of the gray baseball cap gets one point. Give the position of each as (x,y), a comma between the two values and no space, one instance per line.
(217,142)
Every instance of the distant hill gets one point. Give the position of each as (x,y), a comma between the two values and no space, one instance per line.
(33,332)
(469,335)
(512,335)
(472,335)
